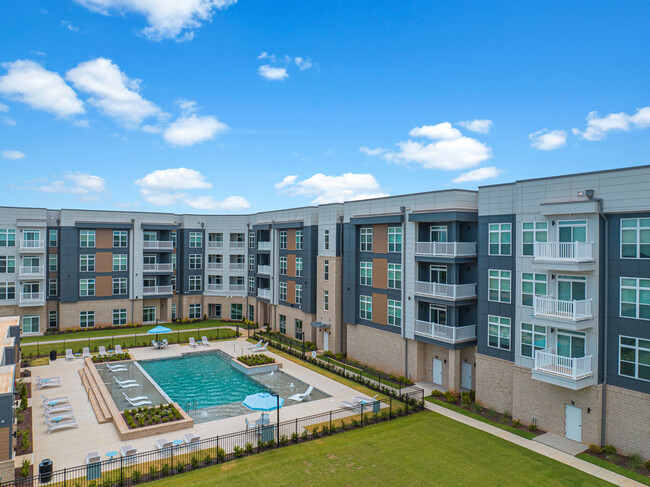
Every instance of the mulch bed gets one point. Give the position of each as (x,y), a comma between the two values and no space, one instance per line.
(621,461)
(18,475)
(25,373)
(29,389)
(25,424)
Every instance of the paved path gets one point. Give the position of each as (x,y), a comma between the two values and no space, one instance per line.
(537,447)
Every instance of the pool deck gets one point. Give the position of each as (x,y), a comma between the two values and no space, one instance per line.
(68,447)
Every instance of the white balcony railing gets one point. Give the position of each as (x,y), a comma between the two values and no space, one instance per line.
(158,244)
(214,244)
(446,333)
(264,293)
(33,297)
(157,267)
(572,368)
(32,245)
(32,270)
(446,249)
(236,287)
(234,244)
(236,266)
(215,266)
(445,291)
(263,245)
(565,310)
(563,251)
(157,290)
(264,269)
(214,287)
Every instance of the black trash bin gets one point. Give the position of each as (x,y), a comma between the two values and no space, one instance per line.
(45,469)
(52,354)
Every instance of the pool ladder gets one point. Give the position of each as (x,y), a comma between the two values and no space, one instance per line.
(191,406)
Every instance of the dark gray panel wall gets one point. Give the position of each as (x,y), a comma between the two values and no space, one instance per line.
(183,249)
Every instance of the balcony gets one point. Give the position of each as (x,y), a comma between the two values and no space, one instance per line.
(264,293)
(31,271)
(445,333)
(234,244)
(32,246)
(237,266)
(264,269)
(158,245)
(214,287)
(215,266)
(564,251)
(154,290)
(32,299)
(263,245)
(548,307)
(213,244)
(157,267)
(236,287)
(445,291)
(445,249)
(572,373)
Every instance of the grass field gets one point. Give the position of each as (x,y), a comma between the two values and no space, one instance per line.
(423,449)
(614,468)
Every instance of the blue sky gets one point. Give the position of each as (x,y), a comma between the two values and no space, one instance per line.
(220,106)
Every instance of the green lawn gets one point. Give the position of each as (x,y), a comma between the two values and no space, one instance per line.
(614,468)
(423,449)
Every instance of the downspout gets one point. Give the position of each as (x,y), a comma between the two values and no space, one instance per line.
(403,293)
(340,283)
(603,419)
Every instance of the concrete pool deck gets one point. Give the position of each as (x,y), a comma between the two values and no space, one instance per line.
(68,447)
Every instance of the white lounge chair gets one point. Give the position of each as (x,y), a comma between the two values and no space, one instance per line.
(55,401)
(257,345)
(51,411)
(50,381)
(138,401)
(128,452)
(263,348)
(364,399)
(125,384)
(191,440)
(93,457)
(205,341)
(102,351)
(67,423)
(164,446)
(118,349)
(86,353)
(117,368)
(350,405)
(193,343)
(68,354)
(301,397)
(58,417)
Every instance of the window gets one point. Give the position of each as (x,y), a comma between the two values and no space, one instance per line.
(571,288)
(119,285)
(283,291)
(215,310)
(365,307)
(438,314)
(86,319)
(298,266)
(52,287)
(52,319)
(326,237)
(573,231)
(251,285)
(195,311)
(635,298)
(195,283)
(438,233)
(86,287)
(326,300)
(298,239)
(251,241)
(87,263)
(119,262)
(31,324)
(119,238)
(119,317)
(7,290)
(283,266)
(365,274)
(251,263)
(53,263)
(298,293)
(283,239)
(299,329)
(394,312)
(499,238)
(394,239)
(196,261)
(365,239)
(634,358)
(236,312)
(172,237)
(173,282)
(251,312)
(148,314)
(438,273)
(635,238)
(570,344)
(533,232)
(173,259)
(326,269)
(395,276)
(532,285)
(196,239)
(533,338)
(7,265)
(283,324)
(499,286)
(173,311)
(87,238)
(53,240)
(499,332)
(7,238)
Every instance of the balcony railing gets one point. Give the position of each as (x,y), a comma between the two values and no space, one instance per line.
(237,266)
(157,290)
(32,245)
(215,266)
(157,267)
(214,287)
(572,368)
(264,269)
(214,244)
(234,244)
(564,251)
(236,287)
(565,310)
(34,297)
(158,244)
(263,245)
(264,293)
(32,270)
(446,249)
(445,333)
(445,291)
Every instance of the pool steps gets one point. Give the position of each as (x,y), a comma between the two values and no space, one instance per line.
(94,386)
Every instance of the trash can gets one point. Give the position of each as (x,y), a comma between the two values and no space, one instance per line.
(45,470)
(52,354)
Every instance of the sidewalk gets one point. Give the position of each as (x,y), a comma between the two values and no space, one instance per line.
(537,447)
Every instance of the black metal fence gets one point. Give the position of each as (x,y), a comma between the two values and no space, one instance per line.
(152,465)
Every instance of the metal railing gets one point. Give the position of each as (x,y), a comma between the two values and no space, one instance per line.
(32,245)
(32,270)
(236,287)
(564,251)
(237,266)
(214,287)
(573,368)
(445,333)
(34,296)
(264,269)
(157,267)
(263,245)
(157,290)
(158,244)
(264,293)
(566,310)
(234,244)
(445,291)
(446,249)
(215,266)
(214,244)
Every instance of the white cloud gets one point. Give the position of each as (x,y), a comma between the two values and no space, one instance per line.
(8,121)
(266,55)
(210,203)
(372,152)
(3,108)
(30,83)
(479,126)
(449,155)
(192,129)
(330,189)
(69,26)
(81,123)
(597,127)
(271,73)
(302,63)
(478,174)
(441,131)
(12,154)
(187,106)
(87,186)
(167,18)
(548,139)
(174,179)
(113,92)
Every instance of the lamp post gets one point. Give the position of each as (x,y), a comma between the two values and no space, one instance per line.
(277,434)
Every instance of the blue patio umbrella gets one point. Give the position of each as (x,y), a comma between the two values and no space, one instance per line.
(158,330)
(262,401)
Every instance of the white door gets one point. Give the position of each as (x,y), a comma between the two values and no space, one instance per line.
(437,371)
(466,376)
(326,339)
(574,423)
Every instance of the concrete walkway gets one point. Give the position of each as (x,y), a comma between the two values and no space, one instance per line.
(537,447)
(559,443)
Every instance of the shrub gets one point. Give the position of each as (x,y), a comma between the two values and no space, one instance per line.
(180,467)
(284,440)
(314,432)
(466,398)
(153,472)
(221,454)
(20,417)
(354,423)
(23,403)
(260,445)
(436,393)
(491,413)
(305,435)
(207,460)
(270,444)
(516,423)
(24,469)
(164,471)
(647,465)
(612,459)
(194,462)
(135,476)
(532,427)
(449,397)
(477,408)
(595,449)
(238,452)
(107,483)
(636,462)
(294,437)
(248,447)
(609,449)
(343,424)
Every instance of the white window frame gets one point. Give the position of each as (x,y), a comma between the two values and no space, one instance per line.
(55,283)
(6,289)
(641,225)
(535,282)
(283,239)
(195,283)
(394,270)
(196,240)
(501,277)
(394,313)
(122,262)
(500,322)
(365,239)
(31,319)
(195,311)
(8,264)
(251,263)
(51,232)
(122,286)
(7,237)
(283,266)
(251,285)
(365,274)
(298,266)
(148,310)
(326,300)
(283,291)
(298,239)
(121,238)
(90,286)
(119,317)
(86,319)
(251,240)
(326,270)
(499,229)
(395,239)
(535,331)
(53,263)
(537,229)
(638,289)
(87,237)
(196,261)
(50,314)
(326,239)
(365,307)
(298,293)
(638,347)
(87,263)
